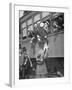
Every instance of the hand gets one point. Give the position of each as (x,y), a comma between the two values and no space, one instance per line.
(33,69)
(31,65)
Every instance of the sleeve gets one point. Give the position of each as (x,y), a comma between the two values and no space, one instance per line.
(24,60)
(30,62)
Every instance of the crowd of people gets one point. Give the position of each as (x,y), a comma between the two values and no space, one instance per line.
(50,26)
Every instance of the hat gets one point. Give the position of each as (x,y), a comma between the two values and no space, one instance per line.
(24,49)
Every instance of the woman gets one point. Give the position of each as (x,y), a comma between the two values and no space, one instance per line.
(41,69)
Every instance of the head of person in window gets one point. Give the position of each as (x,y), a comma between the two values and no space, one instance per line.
(46,25)
(55,24)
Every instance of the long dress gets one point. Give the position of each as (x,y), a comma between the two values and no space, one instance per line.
(41,69)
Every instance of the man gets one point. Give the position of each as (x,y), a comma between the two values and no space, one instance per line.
(27,64)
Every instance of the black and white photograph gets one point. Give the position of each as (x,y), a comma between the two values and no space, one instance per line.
(36,47)
(41,44)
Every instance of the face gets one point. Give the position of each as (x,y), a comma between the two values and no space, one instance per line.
(24,52)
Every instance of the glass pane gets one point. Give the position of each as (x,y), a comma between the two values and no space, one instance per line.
(36,17)
(29,22)
(44,14)
(24,32)
(30,28)
(24,25)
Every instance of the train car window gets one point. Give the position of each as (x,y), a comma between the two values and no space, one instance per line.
(24,32)
(29,21)
(24,25)
(36,17)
